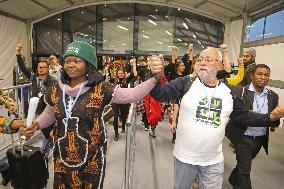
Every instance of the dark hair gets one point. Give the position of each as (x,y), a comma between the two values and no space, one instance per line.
(178,63)
(43,61)
(123,70)
(254,68)
(94,77)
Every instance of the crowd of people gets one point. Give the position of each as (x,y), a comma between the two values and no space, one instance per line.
(203,101)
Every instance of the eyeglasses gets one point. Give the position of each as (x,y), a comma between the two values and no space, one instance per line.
(206,60)
(76,61)
(42,67)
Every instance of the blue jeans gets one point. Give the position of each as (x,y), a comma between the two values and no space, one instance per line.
(210,177)
(3,167)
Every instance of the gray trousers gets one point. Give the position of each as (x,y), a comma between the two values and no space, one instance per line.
(210,177)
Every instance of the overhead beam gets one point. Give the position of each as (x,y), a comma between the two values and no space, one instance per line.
(196,30)
(226,8)
(201,3)
(41,5)
(69,2)
(13,16)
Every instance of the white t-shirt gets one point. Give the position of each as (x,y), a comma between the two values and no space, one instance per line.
(200,132)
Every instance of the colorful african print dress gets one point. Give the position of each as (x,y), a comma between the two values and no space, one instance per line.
(79,139)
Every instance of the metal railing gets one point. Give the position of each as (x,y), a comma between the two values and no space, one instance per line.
(17,94)
(130,148)
(14,92)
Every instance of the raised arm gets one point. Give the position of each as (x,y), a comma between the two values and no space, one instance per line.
(21,63)
(129,95)
(226,61)
(240,76)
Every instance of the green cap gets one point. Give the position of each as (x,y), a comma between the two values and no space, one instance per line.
(83,50)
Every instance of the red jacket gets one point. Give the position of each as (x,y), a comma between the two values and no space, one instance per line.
(153,107)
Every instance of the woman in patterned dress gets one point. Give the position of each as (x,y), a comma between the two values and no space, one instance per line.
(76,104)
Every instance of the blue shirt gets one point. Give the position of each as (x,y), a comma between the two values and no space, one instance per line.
(260,105)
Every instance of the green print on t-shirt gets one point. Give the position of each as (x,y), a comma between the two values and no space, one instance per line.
(209,115)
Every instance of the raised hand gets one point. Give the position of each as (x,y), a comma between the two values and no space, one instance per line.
(190,47)
(156,64)
(19,47)
(240,61)
(224,48)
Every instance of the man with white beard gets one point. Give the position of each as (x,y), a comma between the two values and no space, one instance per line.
(206,105)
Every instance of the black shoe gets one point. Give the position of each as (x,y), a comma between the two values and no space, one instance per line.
(116,137)
(123,131)
(173,140)
(152,133)
(6,177)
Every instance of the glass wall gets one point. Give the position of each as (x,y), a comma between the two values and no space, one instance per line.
(266,27)
(124,28)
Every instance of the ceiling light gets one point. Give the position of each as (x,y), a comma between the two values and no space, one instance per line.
(202,46)
(179,40)
(152,22)
(185,44)
(145,36)
(194,36)
(184,24)
(105,5)
(58,19)
(124,28)
(128,18)
(160,42)
(156,10)
(89,26)
(169,46)
(104,19)
(123,44)
(178,9)
(154,17)
(168,33)
(82,12)
(199,42)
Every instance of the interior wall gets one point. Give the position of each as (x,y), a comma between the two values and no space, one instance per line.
(273,56)
(11,33)
(232,38)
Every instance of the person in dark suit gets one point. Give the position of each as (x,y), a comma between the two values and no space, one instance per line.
(247,140)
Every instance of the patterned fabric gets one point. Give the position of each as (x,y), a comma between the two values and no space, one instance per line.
(5,125)
(5,99)
(140,107)
(80,140)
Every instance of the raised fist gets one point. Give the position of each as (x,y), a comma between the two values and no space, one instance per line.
(18,48)
(190,47)
(224,47)
(156,64)
(240,61)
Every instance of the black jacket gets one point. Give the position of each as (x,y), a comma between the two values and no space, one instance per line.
(234,132)
(35,89)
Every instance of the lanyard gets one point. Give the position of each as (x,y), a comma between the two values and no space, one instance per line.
(68,113)
(207,96)
(258,106)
